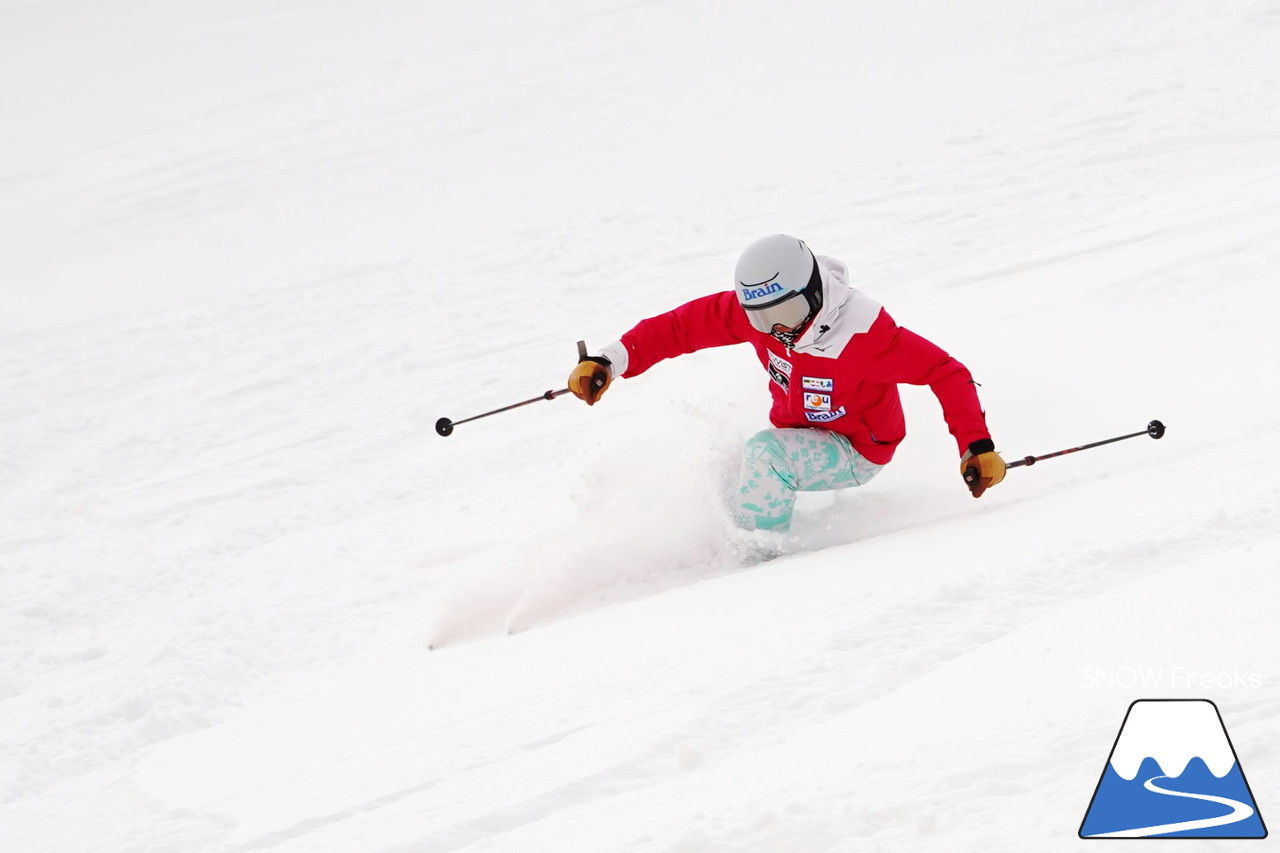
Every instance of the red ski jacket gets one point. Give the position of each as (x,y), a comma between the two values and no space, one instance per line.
(842,374)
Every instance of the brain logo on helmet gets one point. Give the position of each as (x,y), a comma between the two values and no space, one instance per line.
(750,294)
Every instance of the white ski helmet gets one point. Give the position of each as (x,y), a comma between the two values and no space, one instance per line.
(778,283)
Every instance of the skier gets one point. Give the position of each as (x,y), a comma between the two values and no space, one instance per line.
(834,358)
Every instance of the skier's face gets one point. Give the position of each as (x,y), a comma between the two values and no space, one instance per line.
(787,317)
(786,335)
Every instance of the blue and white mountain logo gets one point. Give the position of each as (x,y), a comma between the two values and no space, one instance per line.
(1173,773)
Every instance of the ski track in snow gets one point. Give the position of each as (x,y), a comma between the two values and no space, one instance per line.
(242,294)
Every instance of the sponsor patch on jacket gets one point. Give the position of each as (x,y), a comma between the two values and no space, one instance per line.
(780,371)
(817,402)
(778,376)
(783,366)
(817,383)
(825,417)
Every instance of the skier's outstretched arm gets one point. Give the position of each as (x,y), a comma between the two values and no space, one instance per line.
(710,321)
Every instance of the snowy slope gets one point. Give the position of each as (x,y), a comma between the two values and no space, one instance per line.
(249,256)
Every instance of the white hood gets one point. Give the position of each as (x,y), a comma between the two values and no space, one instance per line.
(845,312)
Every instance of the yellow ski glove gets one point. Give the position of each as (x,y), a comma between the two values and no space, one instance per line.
(981,466)
(590,379)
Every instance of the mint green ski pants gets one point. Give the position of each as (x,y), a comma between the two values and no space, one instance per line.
(777,463)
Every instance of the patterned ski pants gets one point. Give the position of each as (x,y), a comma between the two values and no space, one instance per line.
(777,463)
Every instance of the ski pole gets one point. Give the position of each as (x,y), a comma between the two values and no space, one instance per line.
(1155,429)
(444,426)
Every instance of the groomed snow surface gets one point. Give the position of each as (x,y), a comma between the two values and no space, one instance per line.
(249,255)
